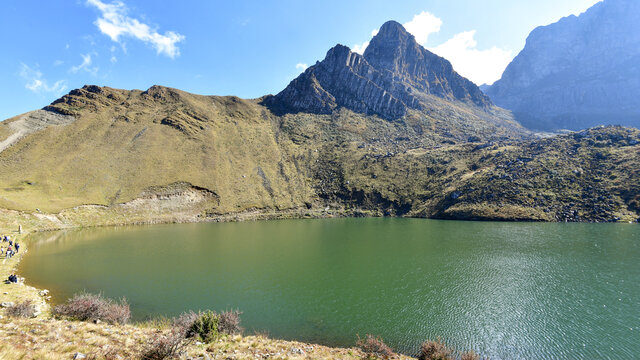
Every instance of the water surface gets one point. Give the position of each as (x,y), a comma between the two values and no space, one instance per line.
(506,290)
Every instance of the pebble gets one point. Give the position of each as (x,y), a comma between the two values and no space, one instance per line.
(79,355)
(7,304)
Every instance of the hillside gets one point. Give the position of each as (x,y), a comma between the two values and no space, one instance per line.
(577,73)
(166,155)
(393,132)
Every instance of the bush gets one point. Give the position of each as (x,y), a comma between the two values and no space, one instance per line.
(174,343)
(166,346)
(205,327)
(470,355)
(25,309)
(229,322)
(374,346)
(435,350)
(86,307)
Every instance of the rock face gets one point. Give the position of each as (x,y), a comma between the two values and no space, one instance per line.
(579,72)
(394,75)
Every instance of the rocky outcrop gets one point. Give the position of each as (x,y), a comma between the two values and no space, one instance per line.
(32,122)
(579,72)
(394,75)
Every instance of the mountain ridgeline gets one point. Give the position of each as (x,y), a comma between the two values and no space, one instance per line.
(395,131)
(579,72)
(395,74)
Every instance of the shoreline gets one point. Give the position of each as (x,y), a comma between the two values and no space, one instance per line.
(98,339)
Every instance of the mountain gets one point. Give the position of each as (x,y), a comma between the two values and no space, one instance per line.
(393,132)
(394,75)
(579,72)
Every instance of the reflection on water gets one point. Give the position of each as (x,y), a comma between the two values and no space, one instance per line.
(507,290)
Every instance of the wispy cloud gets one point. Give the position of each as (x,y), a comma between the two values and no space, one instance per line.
(482,66)
(301,66)
(85,65)
(36,83)
(115,23)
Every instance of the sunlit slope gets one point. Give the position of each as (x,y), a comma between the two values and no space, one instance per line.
(124,142)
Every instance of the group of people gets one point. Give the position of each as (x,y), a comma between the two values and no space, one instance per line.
(12,249)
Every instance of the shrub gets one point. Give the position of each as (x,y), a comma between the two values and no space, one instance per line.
(25,309)
(229,322)
(184,322)
(374,346)
(167,346)
(205,327)
(470,355)
(86,307)
(434,350)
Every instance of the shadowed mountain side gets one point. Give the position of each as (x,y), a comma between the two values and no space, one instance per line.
(579,72)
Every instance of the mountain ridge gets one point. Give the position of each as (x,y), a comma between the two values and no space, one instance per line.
(579,72)
(165,155)
(393,75)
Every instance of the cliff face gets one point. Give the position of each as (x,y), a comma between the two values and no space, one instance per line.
(579,72)
(394,75)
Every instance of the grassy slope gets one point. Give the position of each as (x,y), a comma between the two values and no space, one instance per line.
(126,145)
(113,152)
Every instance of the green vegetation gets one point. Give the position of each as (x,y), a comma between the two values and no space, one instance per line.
(205,327)
(164,155)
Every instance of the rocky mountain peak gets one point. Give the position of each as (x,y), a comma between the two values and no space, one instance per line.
(389,48)
(395,74)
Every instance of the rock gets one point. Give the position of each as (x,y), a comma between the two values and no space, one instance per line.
(395,74)
(578,72)
(7,304)
(97,321)
(297,351)
(79,355)
(44,292)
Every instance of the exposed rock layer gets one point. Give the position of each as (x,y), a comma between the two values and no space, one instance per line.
(394,75)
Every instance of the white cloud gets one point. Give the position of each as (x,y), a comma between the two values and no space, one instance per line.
(85,65)
(423,25)
(115,23)
(301,66)
(113,59)
(37,84)
(360,48)
(479,66)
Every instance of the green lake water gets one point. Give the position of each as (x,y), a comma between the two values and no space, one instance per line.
(506,290)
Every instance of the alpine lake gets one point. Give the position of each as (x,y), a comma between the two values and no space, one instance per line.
(505,290)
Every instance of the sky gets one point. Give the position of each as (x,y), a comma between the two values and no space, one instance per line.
(245,48)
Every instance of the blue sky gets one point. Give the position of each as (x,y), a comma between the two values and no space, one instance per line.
(246,48)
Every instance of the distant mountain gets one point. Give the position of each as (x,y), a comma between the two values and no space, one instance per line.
(395,74)
(579,72)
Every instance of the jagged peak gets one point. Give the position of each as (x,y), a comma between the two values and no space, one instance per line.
(392,30)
